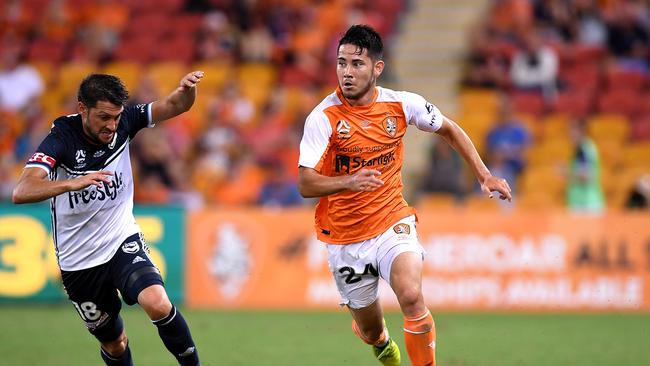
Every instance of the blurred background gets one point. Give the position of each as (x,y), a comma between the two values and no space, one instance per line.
(555,94)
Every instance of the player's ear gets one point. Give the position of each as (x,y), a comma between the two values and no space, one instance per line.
(379,67)
(81,108)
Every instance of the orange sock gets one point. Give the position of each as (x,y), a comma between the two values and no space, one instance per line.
(420,339)
(373,342)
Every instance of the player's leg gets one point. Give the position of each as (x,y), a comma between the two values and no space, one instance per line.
(419,328)
(98,305)
(172,327)
(115,351)
(369,325)
(400,263)
(139,281)
(354,269)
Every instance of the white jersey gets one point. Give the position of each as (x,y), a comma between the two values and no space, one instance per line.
(90,224)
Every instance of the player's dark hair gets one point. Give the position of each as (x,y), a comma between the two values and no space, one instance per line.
(96,87)
(365,38)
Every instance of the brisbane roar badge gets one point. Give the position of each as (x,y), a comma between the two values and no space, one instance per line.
(390,125)
(402,229)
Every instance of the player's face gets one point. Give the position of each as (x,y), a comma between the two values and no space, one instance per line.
(357,74)
(100,122)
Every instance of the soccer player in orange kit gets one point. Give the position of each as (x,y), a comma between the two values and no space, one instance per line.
(351,157)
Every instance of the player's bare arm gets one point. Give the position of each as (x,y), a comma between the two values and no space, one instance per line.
(34,185)
(313,184)
(458,139)
(180,100)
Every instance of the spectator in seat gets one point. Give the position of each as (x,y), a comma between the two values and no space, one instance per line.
(506,142)
(584,191)
(535,67)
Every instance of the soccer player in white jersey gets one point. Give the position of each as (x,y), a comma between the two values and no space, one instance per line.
(83,167)
(351,157)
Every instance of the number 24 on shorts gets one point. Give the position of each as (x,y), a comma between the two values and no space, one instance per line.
(353,277)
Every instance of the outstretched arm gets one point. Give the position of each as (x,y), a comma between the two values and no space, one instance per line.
(313,184)
(33,185)
(179,101)
(458,139)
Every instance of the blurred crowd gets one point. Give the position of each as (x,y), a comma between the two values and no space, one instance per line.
(556,93)
(267,64)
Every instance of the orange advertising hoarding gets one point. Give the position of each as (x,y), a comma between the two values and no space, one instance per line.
(270,259)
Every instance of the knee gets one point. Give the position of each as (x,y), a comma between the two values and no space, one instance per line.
(156,305)
(117,347)
(411,301)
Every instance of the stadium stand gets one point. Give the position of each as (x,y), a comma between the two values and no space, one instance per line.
(263,62)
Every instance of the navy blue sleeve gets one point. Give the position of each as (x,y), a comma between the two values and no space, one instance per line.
(50,152)
(136,117)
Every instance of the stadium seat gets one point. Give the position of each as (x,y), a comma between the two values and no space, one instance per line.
(216,75)
(619,79)
(555,126)
(257,74)
(576,103)
(166,75)
(528,102)
(619,101)
(46,50)
(154,25)
(641,128)
(479,100)
(136,49)
(128,72)
(186,24)
(608,127)
(611,152)
(71,74)
(550,153)
(539,200)
(477,125)
(179,48)
(581,77)
(543,181)
(637,155)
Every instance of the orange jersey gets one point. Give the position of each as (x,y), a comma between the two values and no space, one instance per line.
(341,139)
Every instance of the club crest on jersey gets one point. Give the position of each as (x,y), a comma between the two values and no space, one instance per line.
(343,129)
(390,125)
(131,247)
(402,229)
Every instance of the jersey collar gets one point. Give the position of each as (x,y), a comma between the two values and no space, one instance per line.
(346,103)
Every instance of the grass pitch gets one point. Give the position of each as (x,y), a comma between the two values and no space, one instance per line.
(54,335)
